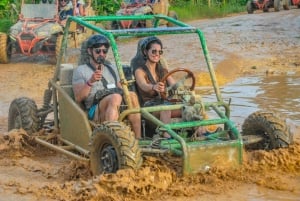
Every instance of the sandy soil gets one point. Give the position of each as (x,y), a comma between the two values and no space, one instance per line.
(239,45)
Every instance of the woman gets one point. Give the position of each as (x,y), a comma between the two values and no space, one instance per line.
(148,79)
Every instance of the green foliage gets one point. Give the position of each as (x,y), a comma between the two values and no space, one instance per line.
(192,10)
(106,7)
(8,14)
(5,25)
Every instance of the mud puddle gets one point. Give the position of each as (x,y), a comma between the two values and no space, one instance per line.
(278,93)
(264,176)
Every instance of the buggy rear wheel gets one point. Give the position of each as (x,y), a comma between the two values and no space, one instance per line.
(23,114)
(275,132)
(5,51)
(114,147)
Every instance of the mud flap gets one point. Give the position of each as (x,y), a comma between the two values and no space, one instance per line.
(200,158)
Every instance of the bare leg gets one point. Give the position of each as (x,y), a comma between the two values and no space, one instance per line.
(165,116)
(135,119)
(109,107)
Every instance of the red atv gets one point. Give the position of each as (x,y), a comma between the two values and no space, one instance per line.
(35,33)
(288,3)
(142,7)
(264,5)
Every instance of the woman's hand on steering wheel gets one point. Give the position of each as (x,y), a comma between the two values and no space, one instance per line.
(189,73)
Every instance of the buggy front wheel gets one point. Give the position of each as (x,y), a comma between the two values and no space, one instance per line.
(5,50)
(114,147)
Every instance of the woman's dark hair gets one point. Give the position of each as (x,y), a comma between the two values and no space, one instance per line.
(147,42)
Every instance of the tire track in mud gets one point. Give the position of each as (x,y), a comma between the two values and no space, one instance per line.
(157,178)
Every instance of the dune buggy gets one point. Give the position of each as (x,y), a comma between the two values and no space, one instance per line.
(264,5)
(37,32)
(288,3)
(111,146)
(142,7)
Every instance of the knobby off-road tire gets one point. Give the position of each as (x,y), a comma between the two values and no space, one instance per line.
(249,7)
(173,15)
(286,4)
(275,132)
(277,5)
(58,45)
(113,147)
(266,9)
(23,114)
(4,54)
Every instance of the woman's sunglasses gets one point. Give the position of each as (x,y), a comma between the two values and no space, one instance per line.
(63,0)
(98,51)
(160,52)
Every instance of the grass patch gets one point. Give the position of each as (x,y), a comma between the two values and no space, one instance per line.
(193,12)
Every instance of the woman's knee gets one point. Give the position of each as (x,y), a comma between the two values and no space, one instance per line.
(134,99)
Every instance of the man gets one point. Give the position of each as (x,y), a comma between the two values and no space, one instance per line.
(65,9)
(96,84)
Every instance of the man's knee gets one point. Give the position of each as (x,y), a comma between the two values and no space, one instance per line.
(114,99)
(110,100)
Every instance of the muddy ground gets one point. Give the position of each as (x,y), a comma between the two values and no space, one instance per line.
(263,44)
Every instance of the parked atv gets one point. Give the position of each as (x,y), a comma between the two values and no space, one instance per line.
(111,146)
(264,5)
(142,7)
(288,3)
(37,32)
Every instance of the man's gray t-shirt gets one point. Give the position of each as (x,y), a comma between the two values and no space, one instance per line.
(83,73)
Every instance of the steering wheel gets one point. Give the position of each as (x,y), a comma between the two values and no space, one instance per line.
(189,73)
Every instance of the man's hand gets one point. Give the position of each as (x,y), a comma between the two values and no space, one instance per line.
(97,75)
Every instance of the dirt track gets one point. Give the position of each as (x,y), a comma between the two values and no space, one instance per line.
(258,44)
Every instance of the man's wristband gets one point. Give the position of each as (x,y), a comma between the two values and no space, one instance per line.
(89,84)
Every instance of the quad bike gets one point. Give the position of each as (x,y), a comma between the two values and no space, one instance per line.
(111,146)
(288,3)
(37,32)
(264,5)
(142,7)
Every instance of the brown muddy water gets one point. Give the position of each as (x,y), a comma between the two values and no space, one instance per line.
(278,93)
(275,93)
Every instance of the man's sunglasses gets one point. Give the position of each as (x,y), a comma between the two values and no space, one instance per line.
(98,51)
(160,52)
(64,0)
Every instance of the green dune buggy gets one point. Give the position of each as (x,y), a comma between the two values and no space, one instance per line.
(111,146)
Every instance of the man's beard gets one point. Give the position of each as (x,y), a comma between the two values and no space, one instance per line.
(100,60)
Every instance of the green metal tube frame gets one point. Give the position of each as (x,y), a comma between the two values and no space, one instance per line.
(181,28)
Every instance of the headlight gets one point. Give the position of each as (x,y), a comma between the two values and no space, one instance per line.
(42,34)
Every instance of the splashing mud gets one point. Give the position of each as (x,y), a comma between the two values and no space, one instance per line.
(159,179)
